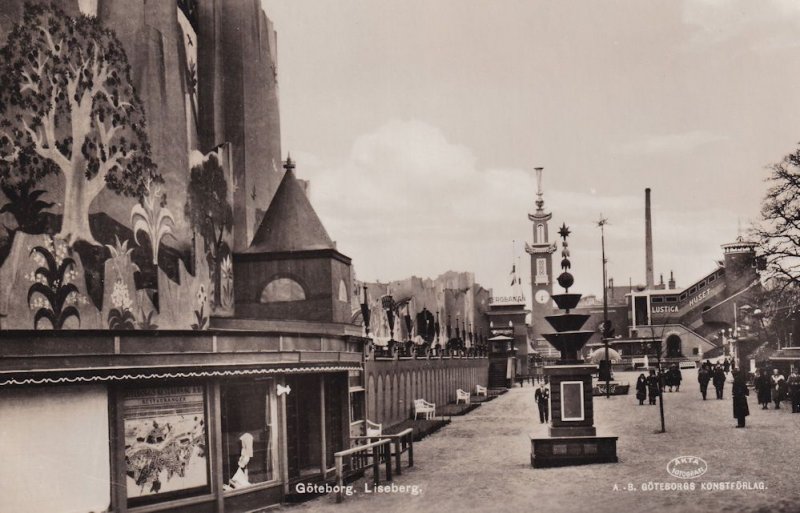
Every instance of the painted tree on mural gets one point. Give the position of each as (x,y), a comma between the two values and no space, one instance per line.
(210,213)
(67,107)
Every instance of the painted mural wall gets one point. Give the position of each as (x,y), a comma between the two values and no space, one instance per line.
(118,209)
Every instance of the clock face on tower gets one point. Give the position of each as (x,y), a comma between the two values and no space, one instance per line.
(542,296)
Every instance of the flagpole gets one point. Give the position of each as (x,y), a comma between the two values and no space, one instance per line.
(602,223)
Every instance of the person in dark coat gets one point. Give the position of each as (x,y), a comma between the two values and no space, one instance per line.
(542,396)
(703,377)
(718,379)
(740,392)
(793,383)
(641,388)
(726,366)
(675,377)
(763,389)
(667,376)
(653,386)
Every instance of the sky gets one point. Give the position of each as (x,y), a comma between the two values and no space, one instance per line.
(419,124)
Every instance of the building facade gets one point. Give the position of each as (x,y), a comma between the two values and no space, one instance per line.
(176,329)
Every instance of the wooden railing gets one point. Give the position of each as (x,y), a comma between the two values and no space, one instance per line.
(379,450)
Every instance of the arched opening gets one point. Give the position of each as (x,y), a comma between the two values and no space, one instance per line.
(282,289)
(674,346)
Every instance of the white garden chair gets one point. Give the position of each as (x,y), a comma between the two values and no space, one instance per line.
(423,407)
(462,396)
(479,390)
(374,429)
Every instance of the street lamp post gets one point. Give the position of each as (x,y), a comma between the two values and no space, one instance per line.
(657,346)
(606,324)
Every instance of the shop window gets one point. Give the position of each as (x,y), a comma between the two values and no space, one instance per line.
(166,443)
(355,378)
(248,438)
(356,406)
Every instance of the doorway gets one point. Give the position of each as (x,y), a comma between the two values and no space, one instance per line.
(305,423)
(674,346)
(303,426)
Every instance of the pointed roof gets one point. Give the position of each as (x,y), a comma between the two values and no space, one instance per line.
(290,223)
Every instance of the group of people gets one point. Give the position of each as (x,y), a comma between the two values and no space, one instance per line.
(769,388)
(653,385)
(776,388)
(716,374)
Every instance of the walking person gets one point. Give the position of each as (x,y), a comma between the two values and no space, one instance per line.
(542,396)
(739,391)
(793,383)
(718,379)
(676,377)
(762,385)
(777,382)
(653,386)
(668,383)
(703,377)
(641,389)
(726,366)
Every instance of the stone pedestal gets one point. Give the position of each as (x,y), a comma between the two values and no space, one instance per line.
(573,438)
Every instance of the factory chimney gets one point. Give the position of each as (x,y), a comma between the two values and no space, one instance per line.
(648,240)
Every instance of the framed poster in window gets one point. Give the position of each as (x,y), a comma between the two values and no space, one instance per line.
(166,443)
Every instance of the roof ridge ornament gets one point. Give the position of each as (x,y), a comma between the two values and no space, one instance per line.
(539,192)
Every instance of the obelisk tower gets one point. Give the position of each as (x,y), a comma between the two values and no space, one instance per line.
(541,252)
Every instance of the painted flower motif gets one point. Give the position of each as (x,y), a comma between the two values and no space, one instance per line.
(120,297)
(202,297)
(227,268)
(39,302)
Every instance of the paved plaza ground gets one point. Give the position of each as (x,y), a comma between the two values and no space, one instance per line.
(481,461)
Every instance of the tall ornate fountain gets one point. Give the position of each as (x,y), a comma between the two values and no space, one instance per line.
(573,437)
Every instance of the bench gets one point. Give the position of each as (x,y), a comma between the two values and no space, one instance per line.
(462,396)
(421,406)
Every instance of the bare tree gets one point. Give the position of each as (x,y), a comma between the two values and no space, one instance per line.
(779,230)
